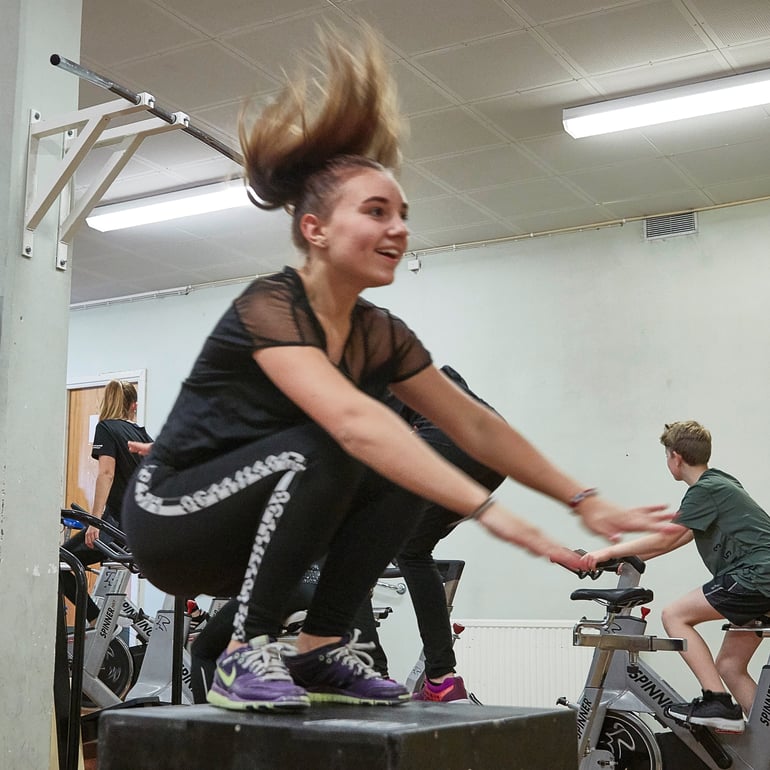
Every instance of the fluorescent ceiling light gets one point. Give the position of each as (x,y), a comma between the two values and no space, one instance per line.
(721,95)
(162,208)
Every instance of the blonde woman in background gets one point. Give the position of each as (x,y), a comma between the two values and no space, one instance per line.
(116,427)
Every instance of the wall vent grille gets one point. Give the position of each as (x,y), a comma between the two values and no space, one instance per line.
(670,225)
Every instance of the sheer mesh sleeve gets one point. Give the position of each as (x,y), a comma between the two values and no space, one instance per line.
(274,312)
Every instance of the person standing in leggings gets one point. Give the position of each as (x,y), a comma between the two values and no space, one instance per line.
(274,450)
(417,565)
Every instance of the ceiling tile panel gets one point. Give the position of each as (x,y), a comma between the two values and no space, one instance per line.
(223,15)
(197,76)
(441,213)
(742,190)
(495,66)
(416,185)
(558,220)
(540,11)
(736,21)
(483,168)
(727,164)
(532,197)
(417,93)
(663,203)
(627,36)
(752,56)
(634,179)
(131,29)
(536,112)
(446,131)
(275,47)
(562,153)
(470,234)
(414,26)
(711,131)
(674,72)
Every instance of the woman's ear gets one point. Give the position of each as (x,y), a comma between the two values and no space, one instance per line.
(313,230)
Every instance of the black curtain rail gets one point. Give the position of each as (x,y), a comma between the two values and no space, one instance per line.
(154,109)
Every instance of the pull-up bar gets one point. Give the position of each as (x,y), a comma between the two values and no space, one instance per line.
(86,129)
(153,109)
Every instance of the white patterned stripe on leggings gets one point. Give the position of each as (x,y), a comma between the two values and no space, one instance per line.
(270,518)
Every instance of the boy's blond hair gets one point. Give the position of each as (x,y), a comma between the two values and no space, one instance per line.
(689,439)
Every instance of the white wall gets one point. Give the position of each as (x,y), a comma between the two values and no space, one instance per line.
(587,343)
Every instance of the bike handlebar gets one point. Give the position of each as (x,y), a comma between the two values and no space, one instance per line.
(117,549)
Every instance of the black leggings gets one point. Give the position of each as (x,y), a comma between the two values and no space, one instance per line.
(250,522)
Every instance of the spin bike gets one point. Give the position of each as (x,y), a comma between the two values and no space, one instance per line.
(620,686)
(113,673)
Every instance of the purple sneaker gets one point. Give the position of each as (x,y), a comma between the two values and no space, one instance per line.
(342,672)
(254,678)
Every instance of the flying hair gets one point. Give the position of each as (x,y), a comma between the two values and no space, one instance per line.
(347,107)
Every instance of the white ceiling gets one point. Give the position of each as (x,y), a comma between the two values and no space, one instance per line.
(483,83)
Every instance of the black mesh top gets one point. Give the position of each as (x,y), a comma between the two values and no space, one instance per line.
(228,401)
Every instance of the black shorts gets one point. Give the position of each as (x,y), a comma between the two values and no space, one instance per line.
(737,604)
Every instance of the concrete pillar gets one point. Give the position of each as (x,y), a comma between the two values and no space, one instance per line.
(34,299)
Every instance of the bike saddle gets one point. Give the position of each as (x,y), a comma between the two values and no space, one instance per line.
(615,598)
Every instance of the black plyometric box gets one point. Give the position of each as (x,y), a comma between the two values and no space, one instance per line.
(414,736)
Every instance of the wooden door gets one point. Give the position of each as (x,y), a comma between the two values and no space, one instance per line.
(83,414)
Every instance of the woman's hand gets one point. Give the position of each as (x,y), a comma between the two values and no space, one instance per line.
(611,520)
(513,529)
(567,558)
(92,533)
(140,448)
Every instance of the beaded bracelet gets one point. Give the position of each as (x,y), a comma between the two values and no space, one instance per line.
(575,501)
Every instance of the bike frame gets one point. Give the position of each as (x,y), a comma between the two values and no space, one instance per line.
(618,681)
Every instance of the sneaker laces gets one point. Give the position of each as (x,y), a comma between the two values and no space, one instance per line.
(266,660)
(353,656)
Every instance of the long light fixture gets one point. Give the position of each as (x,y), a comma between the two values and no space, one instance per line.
(721,95)
(168,206)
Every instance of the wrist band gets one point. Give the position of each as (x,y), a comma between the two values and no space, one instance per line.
(575,501)
(476,514)
(490,501)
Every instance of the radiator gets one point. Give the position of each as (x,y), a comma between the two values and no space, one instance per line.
(521,662)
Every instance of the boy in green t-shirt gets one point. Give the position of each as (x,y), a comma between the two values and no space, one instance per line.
(732,534)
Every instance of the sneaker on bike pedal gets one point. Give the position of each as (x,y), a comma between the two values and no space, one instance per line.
(451,690)
(342,672)
(255,678)
(714,709)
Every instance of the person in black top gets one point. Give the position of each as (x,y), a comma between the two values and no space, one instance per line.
(278,444)
(116,427)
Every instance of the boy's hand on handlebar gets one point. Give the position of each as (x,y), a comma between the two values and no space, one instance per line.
(611,520)
(140,448)
(589,560)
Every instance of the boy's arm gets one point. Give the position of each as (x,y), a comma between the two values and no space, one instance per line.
(645,548)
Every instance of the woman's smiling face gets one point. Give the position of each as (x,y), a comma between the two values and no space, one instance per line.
(366,234)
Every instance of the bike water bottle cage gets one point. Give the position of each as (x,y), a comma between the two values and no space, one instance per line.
(616,599)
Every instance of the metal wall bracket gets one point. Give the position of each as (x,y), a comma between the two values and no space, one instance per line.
(82,131)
